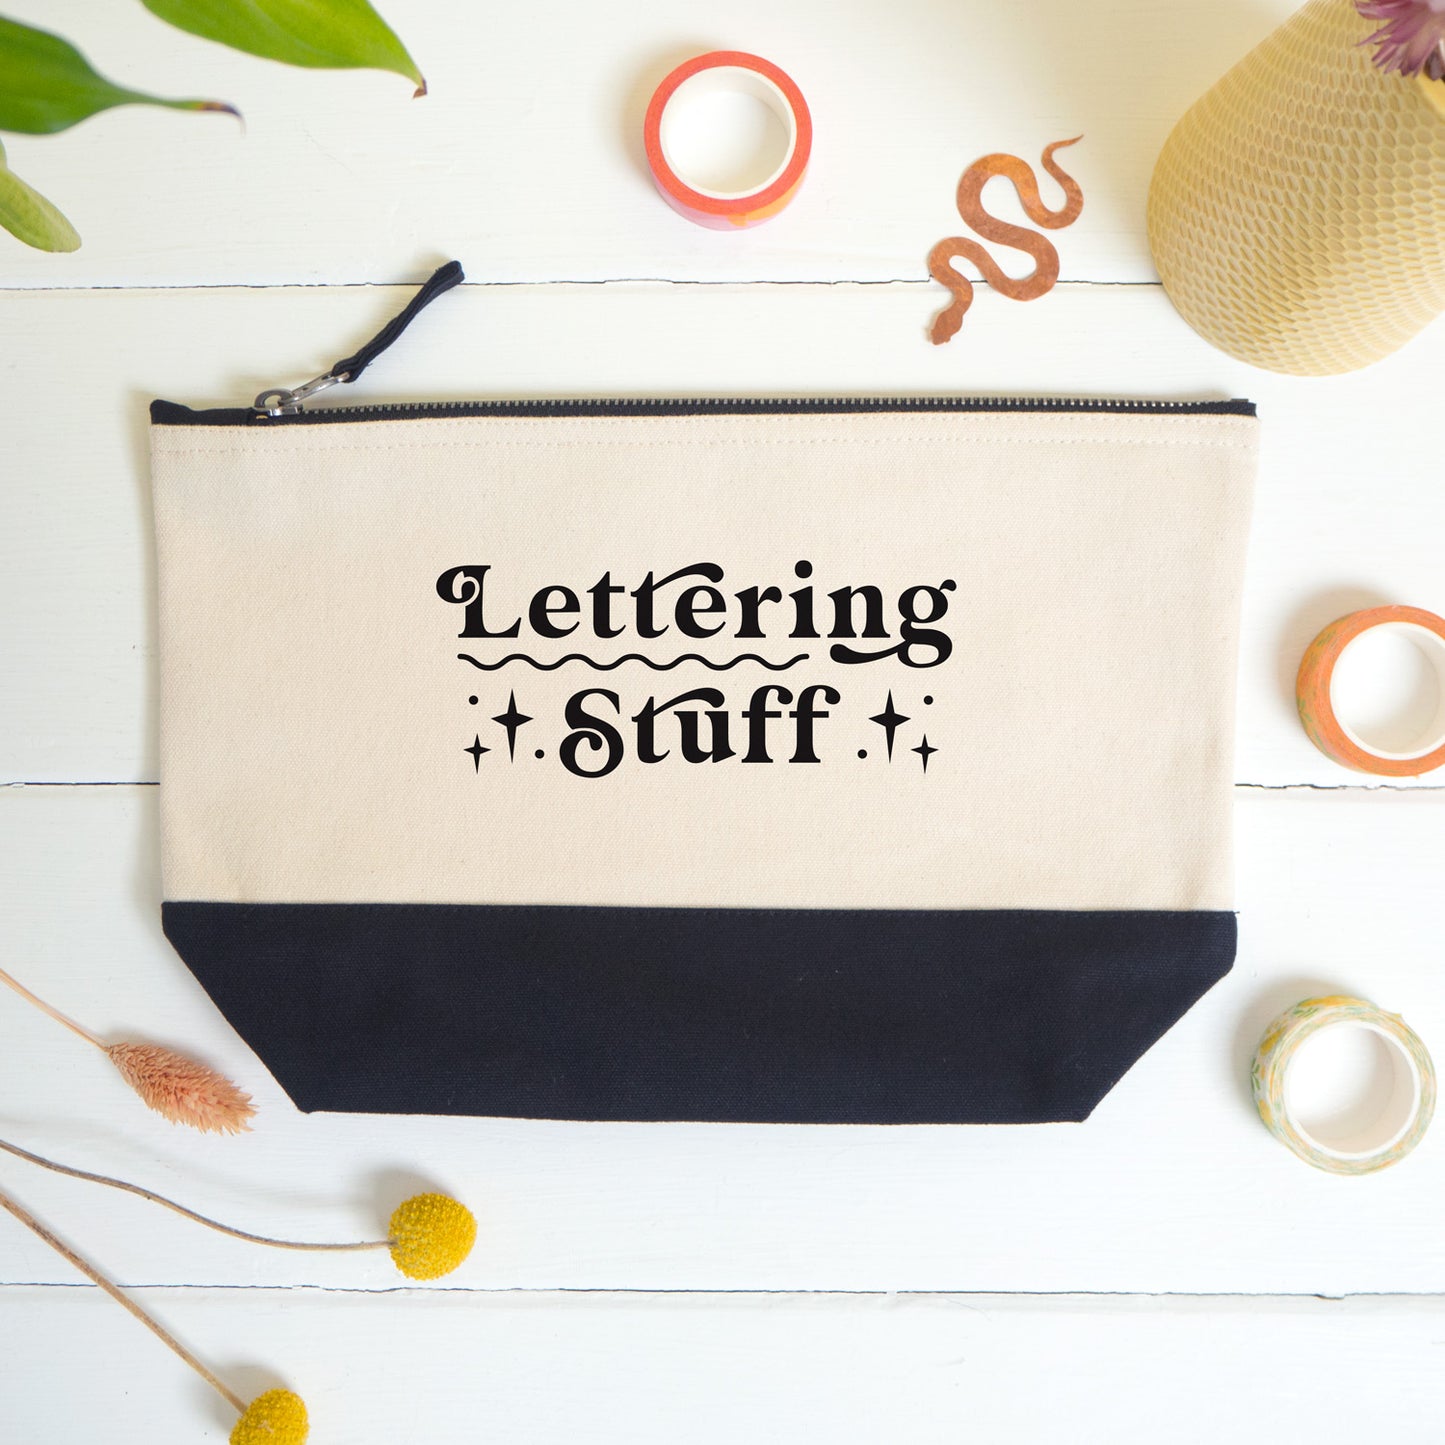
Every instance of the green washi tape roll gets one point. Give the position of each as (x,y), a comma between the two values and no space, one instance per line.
(1401,1124)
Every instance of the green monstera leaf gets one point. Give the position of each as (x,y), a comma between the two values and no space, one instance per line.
(29,217)
(322,34)
(47,85)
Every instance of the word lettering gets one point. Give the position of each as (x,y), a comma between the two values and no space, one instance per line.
(596,727)
(692,602)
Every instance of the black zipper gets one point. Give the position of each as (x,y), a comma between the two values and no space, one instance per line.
(170,413)
(287,405)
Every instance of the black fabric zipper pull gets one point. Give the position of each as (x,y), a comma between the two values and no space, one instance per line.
(284,401)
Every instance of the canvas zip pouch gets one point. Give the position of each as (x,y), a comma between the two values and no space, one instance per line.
(832,761)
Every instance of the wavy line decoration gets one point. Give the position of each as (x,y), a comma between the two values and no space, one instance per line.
(970,206)
(633,657)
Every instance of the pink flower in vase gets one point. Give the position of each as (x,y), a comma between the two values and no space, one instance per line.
(1412,38)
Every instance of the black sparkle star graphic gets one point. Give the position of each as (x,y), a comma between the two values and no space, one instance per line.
(476,750)
(512,720)
(890,720)
(924,751)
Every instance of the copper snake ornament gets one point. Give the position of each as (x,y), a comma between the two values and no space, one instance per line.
(1020,238)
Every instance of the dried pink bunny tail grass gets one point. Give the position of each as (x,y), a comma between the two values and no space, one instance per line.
(184,1091)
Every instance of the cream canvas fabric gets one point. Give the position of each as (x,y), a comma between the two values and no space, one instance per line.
(1082,719)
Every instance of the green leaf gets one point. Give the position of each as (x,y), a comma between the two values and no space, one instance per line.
(47,85)
(29,217)
(322,34)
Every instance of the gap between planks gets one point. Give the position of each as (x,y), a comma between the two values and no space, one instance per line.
(539,282)
(1401,788)
(1201,1297)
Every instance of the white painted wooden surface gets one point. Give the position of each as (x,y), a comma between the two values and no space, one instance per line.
(718,1369)
(527,154)
(524,162)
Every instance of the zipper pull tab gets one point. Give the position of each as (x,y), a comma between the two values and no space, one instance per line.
(284,401)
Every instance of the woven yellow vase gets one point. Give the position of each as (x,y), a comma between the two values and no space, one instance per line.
(1297,212)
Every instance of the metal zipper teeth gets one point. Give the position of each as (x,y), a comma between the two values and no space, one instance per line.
(171,414)
(724,406)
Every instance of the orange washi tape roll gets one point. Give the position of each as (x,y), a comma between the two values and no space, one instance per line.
(708,75)
(1314,692)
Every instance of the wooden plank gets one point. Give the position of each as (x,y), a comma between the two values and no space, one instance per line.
(1348,510)
(526,156)
(432,1365)
(1173,1185)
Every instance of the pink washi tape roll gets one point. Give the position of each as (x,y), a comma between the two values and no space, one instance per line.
(701,78)
(1315,693)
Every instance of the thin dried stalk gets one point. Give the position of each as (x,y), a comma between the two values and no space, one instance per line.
(93,1274)
(160,1199)
(54,1013)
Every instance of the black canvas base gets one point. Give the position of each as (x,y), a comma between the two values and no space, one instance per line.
(741,1015)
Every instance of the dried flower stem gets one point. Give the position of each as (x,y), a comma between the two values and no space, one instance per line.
(160,1199)
(93,1274)
(54,1013)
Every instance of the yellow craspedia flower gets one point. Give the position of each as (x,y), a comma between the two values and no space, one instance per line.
(431,1235)
(276,1418)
